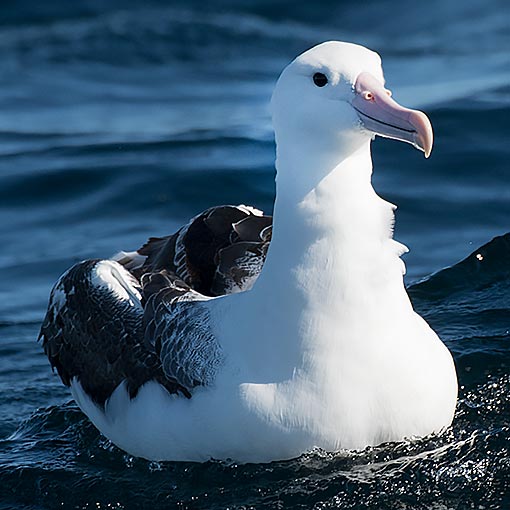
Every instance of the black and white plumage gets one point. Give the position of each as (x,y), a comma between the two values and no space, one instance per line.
(320,347)
(217,252)
(140,317)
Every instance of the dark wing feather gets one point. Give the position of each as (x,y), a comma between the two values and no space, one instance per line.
(238,265)
(160,331)
(91,334)
(195,253)
(177,328)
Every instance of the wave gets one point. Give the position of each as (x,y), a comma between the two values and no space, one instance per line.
(468,304)
(262,38)
(486,266)
(466,465)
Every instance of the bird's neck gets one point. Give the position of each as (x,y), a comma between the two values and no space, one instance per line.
(333,277)
(332,234)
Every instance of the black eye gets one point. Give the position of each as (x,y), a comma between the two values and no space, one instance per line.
(320,79)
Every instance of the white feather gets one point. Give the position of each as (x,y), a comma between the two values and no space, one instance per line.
(111,275)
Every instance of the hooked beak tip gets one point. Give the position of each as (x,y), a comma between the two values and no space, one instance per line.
(424,138)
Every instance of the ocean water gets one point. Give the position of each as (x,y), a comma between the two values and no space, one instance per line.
(120,120)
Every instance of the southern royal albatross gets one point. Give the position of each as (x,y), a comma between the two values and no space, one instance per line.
(251,338)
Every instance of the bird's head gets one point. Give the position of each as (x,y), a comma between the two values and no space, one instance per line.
(333,96)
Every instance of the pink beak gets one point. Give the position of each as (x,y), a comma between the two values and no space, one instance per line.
(383,116)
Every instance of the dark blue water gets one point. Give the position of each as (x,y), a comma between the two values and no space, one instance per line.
(119,120)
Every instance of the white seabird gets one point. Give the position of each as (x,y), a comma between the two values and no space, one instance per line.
(189,349)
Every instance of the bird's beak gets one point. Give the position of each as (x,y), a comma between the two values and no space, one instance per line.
(383,116)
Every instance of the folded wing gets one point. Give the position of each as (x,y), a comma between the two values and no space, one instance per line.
(144,315)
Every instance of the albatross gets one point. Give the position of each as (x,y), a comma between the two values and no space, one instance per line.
(253,338)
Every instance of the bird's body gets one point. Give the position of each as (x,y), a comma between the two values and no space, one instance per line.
(320,347)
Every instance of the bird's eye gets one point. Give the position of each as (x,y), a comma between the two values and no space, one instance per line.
(320,79)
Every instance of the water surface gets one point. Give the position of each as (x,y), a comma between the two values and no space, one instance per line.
(121,120)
